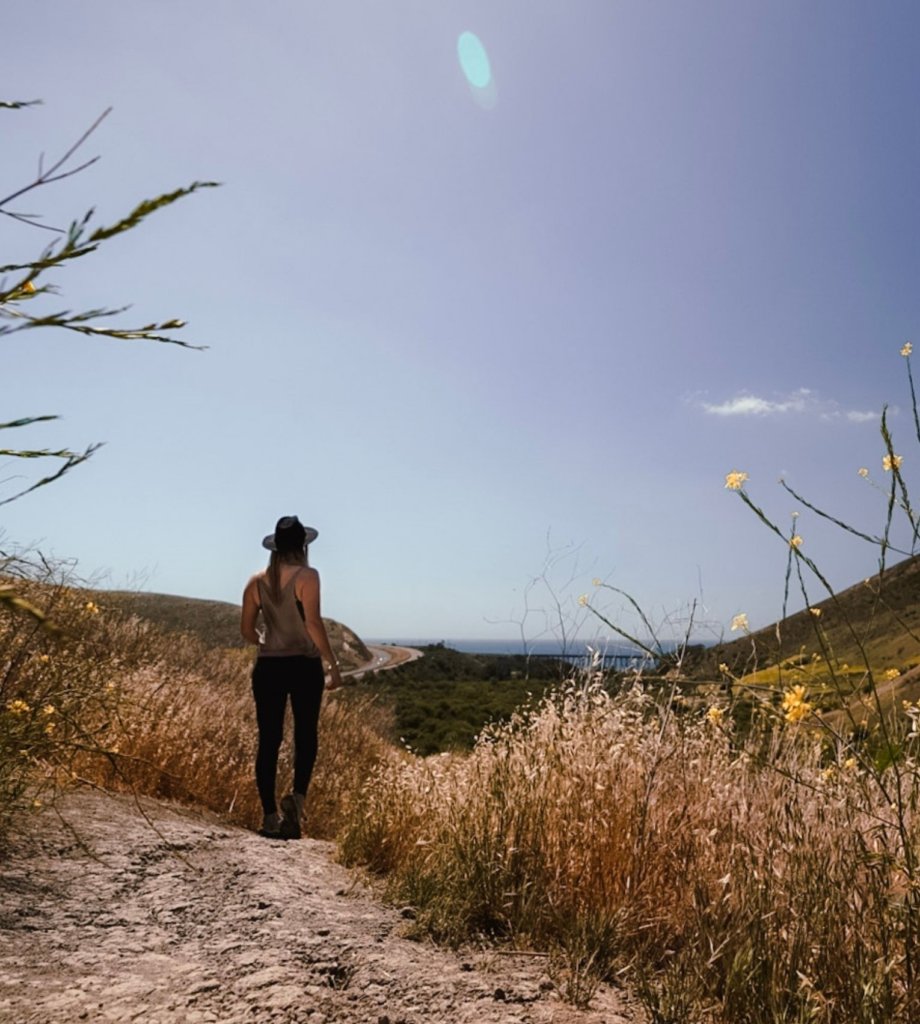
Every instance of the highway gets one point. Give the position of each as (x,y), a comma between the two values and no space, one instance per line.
(383,657)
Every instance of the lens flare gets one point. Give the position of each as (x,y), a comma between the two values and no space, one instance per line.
(474,61)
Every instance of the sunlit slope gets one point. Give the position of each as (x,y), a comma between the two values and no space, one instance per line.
(216,623)
(876,620)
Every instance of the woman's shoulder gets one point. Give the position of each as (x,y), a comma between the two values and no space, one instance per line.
(255,579)
(307,576)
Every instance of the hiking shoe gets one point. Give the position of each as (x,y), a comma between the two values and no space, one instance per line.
(290,823)
(271,826)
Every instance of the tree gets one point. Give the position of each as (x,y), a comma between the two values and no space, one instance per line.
(24,284)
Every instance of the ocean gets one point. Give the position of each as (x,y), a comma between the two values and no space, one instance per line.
(575,651)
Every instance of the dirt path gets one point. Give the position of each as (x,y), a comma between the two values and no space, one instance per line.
(230,928)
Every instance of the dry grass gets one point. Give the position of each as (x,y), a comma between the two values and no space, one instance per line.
(112,701)
(774,883)
(768,879)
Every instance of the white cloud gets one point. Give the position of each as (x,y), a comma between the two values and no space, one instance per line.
(751,405)
(802,401)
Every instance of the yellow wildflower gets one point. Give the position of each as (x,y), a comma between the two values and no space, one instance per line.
(18,707)
(49,709)
(795,706)
(890,462)
(44,658)
(827,774)
(36,804)
(795,541)
(863,471)
(849,764)
(723,668)
(816,612)
(92,607)
(715,715)
(583,600)
(49,728)
(906,349)
(740,621)
(734,481)
(891,674)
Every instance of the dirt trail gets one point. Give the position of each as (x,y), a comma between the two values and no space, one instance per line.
(226,927)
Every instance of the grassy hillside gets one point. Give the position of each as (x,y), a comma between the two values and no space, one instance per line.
(878,617)
(215,623)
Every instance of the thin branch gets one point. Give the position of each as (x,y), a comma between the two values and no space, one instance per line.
(46,261)
(68,465)
(78,322)
(41,453)
(628,636)
(30,219)
(913,399)
(51,174)
(837,522)
(27,421)
(642,615)
(147,207)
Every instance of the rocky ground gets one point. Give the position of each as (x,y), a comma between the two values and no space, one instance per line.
(162,915)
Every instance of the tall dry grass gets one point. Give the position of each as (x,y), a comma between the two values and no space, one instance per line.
(109,700)
(760,885)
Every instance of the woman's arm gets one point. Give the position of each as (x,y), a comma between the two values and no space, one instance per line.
(308,592)
(250,613)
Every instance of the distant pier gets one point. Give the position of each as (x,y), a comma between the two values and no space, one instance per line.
(619,661)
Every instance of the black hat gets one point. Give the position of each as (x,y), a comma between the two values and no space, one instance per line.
(290,534)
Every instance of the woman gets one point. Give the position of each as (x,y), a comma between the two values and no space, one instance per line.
(291,644)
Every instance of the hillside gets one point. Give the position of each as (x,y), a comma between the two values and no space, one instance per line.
(216,623)
(882,614)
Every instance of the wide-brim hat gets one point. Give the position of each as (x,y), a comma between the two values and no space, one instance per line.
(292,530)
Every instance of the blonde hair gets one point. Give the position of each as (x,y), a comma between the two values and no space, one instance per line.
(277,559)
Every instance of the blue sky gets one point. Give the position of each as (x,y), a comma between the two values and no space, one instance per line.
(464,331)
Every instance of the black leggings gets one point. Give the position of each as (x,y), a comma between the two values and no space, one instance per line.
(273,681)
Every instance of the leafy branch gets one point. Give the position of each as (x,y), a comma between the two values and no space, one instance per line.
(17,297)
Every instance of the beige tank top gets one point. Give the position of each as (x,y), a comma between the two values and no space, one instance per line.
(285,633)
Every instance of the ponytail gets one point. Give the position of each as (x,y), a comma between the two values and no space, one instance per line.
(275,562)
(274,575)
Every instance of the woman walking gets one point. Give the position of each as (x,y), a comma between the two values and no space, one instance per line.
(292,645)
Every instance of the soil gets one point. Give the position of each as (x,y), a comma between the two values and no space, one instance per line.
(116,910)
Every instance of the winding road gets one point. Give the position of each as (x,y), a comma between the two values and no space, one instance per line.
(383,657)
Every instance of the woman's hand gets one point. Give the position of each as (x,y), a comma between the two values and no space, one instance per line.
(335,678)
